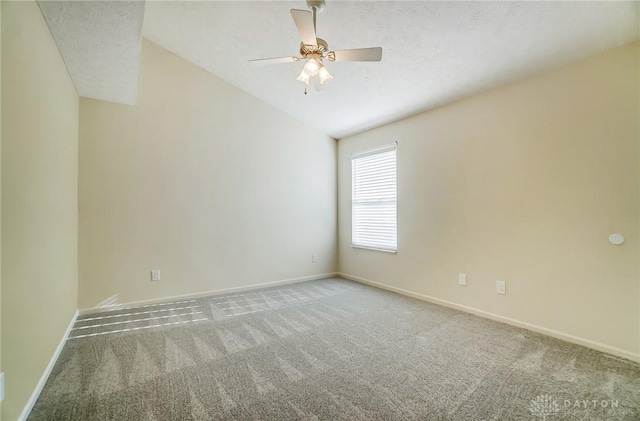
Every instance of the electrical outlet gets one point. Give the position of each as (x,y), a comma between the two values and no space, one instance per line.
(314,258)
(1,387)
(462,279)
(501,287)
(155,275)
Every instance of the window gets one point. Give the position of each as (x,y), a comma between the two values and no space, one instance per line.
(373,200)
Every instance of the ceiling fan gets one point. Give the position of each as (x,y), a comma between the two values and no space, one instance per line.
(314,50)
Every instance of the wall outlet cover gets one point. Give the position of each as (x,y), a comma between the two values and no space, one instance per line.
(314,258)
(155,275)
(1,387)
(501,287)
(462,279)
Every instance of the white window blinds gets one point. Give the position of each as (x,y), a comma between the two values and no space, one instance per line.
(374,200)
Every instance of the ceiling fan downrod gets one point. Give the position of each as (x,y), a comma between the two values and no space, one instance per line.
(315,6)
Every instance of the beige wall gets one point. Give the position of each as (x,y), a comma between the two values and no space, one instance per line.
(39,201)
(202,181)
(522,184)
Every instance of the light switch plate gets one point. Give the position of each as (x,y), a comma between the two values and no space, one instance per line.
(501,287)
(1,387)
(155,275)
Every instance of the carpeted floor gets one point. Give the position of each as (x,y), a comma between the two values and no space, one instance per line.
(326,350)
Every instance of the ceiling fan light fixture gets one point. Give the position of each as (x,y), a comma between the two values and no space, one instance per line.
(312,67)
(303,77)
(324,75)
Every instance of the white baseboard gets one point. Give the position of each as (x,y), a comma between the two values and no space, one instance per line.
(513,322)
(92,310)
(36,392)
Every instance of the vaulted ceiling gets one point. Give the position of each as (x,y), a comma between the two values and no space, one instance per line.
(433,52)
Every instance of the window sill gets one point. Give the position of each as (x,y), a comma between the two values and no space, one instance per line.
(374,249)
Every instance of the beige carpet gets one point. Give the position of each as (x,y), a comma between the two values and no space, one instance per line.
(326,350)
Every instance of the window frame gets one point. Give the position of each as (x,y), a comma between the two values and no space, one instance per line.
(363,154)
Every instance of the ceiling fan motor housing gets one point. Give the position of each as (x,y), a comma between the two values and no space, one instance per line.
(320,49)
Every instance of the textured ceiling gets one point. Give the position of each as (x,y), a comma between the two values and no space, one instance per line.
(100,44)
(434,52)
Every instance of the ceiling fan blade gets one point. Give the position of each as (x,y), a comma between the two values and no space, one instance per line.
(358,54)
(304,22)
(267,61)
